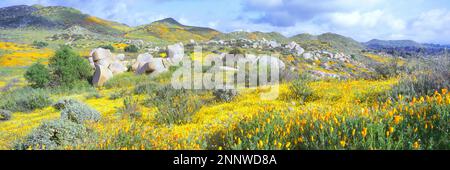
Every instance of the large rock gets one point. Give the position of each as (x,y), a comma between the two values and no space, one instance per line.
(176,53)
(141,60)
(156,66)
(120,57)
(117,68)
(100,54)
(101,75)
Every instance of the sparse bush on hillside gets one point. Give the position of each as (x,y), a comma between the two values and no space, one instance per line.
(424,81)
(93,95)
(77,112)
(174,106)
(25,100)
(300,89)
(147,88)
(40,44)
(126,80)
(5,115)
(118,94)
(130,108)
(109,47)
(226,95)
(38,75)
(388,70)
(68,67)
(55,134)
(131,49)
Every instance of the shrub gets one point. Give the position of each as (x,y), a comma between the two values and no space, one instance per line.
(388,70)
(225,95)
(40,44)
(300,89)
(93,95)
(130,108)
(5,115)
(147,88)
(126,80)
(108,47)
(68,67)
(131,49)
(76,111)
(174,106)
(55,134)
(38,75)
(424,81)
(117,95)
(24,100)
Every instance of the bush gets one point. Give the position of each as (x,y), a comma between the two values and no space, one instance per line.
(40,44)
(225,95)
(108,47)
(93,95)
(117,95)
(5,115)
(425,81)
(68,67)
(174,106)
(38,75)
(148,88)
(388,70)
(55,134)
(77,112)
(130,108)
(300,89)
(25,100)
(131,49)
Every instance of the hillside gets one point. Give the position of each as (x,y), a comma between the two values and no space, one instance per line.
(56,17)
(375,43)
(257,35)
(329,41)
(172,31)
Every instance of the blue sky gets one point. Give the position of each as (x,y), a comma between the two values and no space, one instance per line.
(419,20)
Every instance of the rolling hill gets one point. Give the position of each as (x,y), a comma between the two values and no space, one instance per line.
(328,41)
(56,17)
(172,31)
(257,35)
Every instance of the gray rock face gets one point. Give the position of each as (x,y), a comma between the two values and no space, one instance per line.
(117,68)
(141,60)
(176,53)
(101,75)
(155,66)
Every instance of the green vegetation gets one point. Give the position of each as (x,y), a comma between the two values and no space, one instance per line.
(40,44)
(5,115)
(131,49)
(130,108)
(77,112)
(38,75)
(109,47)
(25,100)
(174,106)
(68,67)
(55,134)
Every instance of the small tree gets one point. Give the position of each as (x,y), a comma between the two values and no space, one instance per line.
(131,49)
(40,44)
(109,47)
(68,67)
(38,75)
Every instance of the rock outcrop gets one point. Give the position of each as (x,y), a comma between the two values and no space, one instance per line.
(101,75)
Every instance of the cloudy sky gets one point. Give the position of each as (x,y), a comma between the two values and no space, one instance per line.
(420,20)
